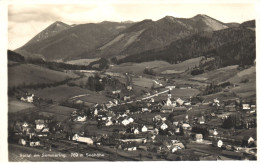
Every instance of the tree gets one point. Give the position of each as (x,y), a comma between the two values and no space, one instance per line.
(85,130)
(140,156)
(171,117)
(118,96)
(233,121)
(153,86)
(114,60)
(181,131)
(88,112)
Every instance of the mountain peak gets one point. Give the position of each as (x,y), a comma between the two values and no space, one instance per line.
(59,23)
(201,16)
(169,18)
(209,22)
(51,30)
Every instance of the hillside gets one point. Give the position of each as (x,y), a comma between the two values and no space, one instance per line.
(246,81)
(29,74)
(158,67)
(51,30)
(250,23)
(149,34)
(231,25)
(74,40)
(229,46)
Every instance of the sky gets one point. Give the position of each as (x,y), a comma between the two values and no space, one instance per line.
(26,20)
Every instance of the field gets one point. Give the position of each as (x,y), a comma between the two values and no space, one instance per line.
(143,82)
(64,92)
(218,75)
(136,68)
(95,97)
(184,93)
(160,67)
(82,61)
(192,83)
(61,110)
(243,133)
(16,105)
(178,93)
(60,93)
(80,82)
(246,81)
(180,67)
(26,74)
(220,96)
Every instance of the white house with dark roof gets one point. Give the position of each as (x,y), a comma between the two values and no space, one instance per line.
(39,124)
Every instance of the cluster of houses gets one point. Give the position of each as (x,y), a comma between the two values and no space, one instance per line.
(144,135)
(30,133)
(28,97)
(78,116)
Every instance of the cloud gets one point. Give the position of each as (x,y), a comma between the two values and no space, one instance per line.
(24,13)
(21,32)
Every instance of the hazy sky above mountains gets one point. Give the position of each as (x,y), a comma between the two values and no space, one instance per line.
(25,21)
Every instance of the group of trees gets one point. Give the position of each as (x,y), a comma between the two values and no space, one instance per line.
(58,66)
(201,130)
(237,121)
(149,71)
(197,71)
(96,83)
(211,89)
(233,46)
(234,121)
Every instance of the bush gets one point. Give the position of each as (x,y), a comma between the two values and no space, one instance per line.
(149,71)
(197,71)
(244,80)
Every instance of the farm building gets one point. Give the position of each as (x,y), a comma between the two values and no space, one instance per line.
(201,120)
(246,106)
(218,143)
(199,137)
(78,138)
(34,142)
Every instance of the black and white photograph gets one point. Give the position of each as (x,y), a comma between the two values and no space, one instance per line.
(132,81)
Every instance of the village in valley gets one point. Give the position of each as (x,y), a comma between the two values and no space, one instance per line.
(157,125)
(158,88)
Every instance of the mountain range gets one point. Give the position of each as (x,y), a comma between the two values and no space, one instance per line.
(231,45)
(61,43)
(169,38)
(150,34)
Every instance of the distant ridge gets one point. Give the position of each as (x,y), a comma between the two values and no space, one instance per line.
(68,41)
(149,34)
(61,42)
